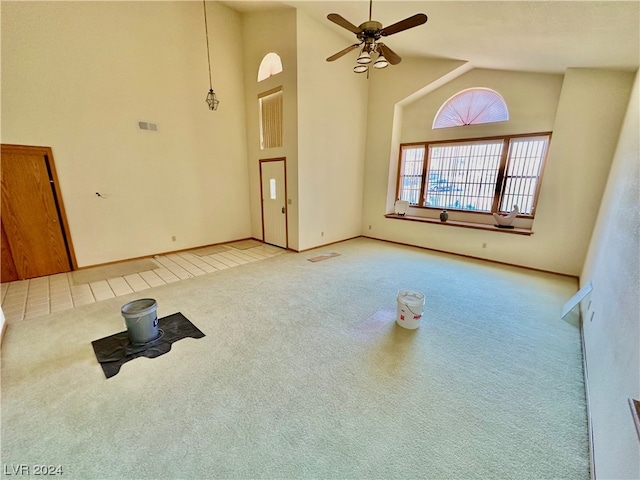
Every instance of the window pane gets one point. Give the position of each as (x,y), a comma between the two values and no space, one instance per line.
(524,164)
(272,188)
(271,65)
(463,176)
(470,107)
(410,181)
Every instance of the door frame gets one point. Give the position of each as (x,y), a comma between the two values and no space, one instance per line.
(286,199)
(47,153)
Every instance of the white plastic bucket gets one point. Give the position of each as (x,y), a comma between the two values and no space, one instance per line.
(410,306)
(141,319)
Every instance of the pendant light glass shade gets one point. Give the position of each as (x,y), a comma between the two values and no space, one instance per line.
(360,68)
(380,62)
(364,58)
(212,100)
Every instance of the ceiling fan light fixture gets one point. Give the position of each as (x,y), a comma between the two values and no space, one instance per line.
(360,68)
(381,62)
(364,58)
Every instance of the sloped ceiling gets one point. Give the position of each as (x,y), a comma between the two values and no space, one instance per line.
(535,36)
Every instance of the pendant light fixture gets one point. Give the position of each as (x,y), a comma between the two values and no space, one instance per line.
(212,100)
(364,58)
(380,62)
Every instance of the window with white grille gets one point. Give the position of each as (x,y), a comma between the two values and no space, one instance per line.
(411,172)
(483,175)
(522,176)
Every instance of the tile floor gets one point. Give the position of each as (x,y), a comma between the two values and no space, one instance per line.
(25,299)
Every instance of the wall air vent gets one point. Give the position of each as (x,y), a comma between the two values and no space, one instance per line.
(148,126)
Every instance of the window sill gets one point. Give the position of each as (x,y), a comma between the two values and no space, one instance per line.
(456,223)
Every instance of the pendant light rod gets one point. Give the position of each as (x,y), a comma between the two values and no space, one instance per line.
(370,8)
(206,32)
(212,100)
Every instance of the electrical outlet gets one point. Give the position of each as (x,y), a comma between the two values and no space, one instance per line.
(369,227)
(484,245)
(322,234)
(173,238)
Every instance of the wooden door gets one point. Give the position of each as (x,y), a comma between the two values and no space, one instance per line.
(8,272)
(274,201)
(33,225)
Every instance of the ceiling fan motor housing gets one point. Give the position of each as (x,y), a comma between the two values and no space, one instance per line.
(370,30)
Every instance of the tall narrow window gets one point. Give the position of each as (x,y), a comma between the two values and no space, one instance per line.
(270,106)
(485,175)
(411,167)
(526,157)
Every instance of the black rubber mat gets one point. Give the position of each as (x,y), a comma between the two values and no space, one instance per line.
(114,351)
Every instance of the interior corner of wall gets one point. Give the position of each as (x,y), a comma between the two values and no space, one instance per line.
(460,69)
(396,131)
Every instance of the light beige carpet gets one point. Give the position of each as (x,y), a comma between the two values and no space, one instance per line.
(303,373)
(95,274)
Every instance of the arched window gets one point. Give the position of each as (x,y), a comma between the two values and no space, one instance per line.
(471,107)
(270,65)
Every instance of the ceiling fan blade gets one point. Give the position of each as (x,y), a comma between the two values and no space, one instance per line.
(343,52)
(417,19)
(338,20)
(392,57)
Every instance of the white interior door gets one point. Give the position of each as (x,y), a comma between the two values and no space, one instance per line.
(274,202)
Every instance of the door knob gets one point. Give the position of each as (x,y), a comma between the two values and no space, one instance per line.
(282,209)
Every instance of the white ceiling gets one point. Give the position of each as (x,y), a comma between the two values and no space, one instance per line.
(537,36)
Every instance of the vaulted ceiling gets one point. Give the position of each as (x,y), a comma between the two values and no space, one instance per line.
(536,36)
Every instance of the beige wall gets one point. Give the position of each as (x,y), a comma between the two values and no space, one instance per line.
(78,76)
(584,135)
(332,116)
(532,99)
(265,32)
(387,88)
(590,114)
(324,158)
(611,335)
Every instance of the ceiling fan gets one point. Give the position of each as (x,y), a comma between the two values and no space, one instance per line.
(369,34)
